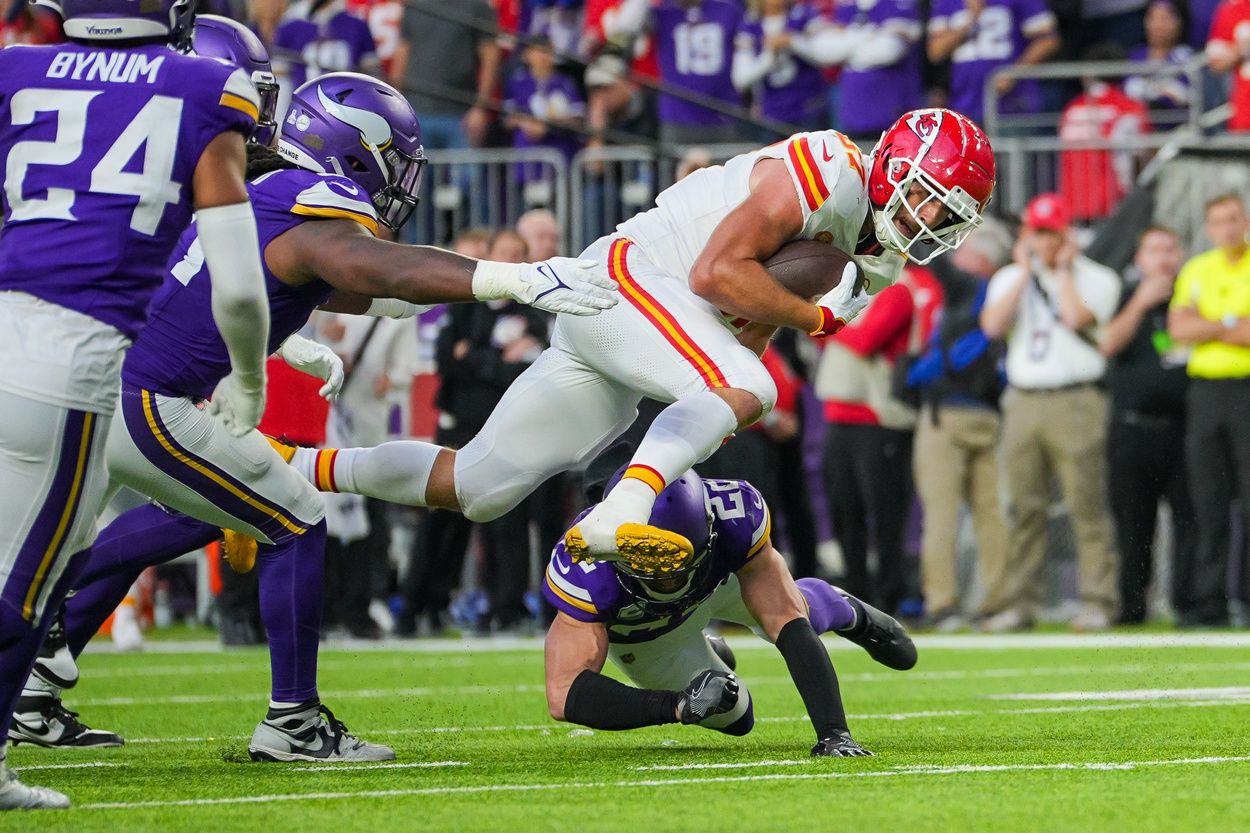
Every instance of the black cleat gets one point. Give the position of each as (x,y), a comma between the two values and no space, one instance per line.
(841,745)
(880,634)
(721,648)
(44,721)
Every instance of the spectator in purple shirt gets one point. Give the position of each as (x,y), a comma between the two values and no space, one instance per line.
(540,101)
(694,41)
(1165,44)
(980,36)
(777,55)
(882,72)
(320,36)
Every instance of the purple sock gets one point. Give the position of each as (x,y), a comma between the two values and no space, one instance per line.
(138,539)
(826,609)
(291,578)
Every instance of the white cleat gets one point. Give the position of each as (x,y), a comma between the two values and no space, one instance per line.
(311,733)
(14,795)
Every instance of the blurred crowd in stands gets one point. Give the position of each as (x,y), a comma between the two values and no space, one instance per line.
(933,456)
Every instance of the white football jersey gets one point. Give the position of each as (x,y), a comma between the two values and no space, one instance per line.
(830,177)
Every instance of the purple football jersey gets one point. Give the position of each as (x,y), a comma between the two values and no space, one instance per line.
(694,47)
(556,97)
(596,592)
(100,146)
(180,352)
(332,40)
(871,99)
(1002,33)
(795,91)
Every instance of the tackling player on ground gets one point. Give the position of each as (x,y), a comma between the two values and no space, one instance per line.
(652,624)
(108,142)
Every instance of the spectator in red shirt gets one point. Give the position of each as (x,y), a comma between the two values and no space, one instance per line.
(1094,180)
(22,23)
(867,456)
(1228,50)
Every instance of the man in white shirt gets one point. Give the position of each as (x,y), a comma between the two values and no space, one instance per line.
(1049,305)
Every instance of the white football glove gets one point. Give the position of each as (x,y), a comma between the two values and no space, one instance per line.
(307,356)
(239,402)
(562,285)
(842,303)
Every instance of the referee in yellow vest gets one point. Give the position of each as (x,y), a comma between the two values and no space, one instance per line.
(1210,310)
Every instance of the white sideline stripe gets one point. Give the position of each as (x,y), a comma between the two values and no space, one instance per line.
(864,677)
(350,767)
(84,765)
(261,666)
(559,728)
(743,642)
(1225,693)
(913,772)
(727,765)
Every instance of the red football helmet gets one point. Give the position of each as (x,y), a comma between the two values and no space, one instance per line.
(947,154)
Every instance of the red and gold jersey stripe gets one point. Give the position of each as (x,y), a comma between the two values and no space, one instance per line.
(663,320)
(812,184)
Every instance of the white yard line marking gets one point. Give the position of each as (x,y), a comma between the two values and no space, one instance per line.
(555,728)
(984,642)
(965,769)
(351,767)
(261,666)
(726,765)
(865,677)
(84,765)
(1224,693)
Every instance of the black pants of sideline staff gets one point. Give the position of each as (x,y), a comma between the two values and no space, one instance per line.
(1146,464)
(1217,447)
(869,486)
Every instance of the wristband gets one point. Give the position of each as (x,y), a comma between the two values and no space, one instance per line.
(829,323)
(494,281)
(395,308)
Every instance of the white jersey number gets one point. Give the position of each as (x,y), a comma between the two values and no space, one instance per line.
(154,128)
(699,48)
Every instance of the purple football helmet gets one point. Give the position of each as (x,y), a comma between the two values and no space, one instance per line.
(682,508)
(232,42)
(359,127)
(111,20)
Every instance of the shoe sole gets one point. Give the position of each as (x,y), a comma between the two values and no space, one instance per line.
(274,756)
(646,549)
(16,741)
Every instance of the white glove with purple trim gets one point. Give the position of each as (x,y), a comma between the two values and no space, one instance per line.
(562,285)
(307,356)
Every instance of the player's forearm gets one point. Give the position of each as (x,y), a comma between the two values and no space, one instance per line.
(814,677)
(603,703)
(240,304)
(744,289)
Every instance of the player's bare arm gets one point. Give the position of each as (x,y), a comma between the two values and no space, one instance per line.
(350,258)
(729,273)
(578,693)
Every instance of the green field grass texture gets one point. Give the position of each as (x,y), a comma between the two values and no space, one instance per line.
(995,735)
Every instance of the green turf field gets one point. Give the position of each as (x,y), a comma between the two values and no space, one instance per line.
(1097,734)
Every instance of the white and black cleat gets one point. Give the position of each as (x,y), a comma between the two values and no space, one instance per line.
(14,795)
(310,732)
(44,721)
(880,634)
(55,665)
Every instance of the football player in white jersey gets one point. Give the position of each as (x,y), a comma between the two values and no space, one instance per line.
(700,307)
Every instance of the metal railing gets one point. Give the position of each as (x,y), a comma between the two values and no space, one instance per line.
(998,123)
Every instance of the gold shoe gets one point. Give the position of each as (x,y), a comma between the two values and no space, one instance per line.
(239,550)
(644,548)
(285,449)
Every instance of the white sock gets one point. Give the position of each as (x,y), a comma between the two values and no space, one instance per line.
(397,472)
(36,687)
(684,434)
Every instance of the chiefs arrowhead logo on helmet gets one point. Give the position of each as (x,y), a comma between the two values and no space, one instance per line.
(925,124)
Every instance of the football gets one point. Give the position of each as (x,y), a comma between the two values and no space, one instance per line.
(809,268)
